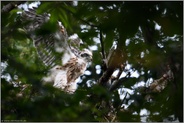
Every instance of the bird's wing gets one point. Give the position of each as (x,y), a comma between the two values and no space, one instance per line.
(52,47)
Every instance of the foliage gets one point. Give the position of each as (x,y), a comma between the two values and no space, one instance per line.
(146,49)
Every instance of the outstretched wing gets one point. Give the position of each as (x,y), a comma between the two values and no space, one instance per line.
(50,45)
(56,50)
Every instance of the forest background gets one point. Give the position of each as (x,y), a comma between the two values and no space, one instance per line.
(134,44)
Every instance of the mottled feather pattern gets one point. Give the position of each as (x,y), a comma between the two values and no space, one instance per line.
(74,69)
(60,53)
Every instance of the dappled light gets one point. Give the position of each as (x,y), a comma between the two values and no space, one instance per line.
(135,72)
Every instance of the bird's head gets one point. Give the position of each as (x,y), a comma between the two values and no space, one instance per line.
(86,55)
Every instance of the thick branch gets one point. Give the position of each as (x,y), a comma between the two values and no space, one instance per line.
(106,76)
(10,6)
(119,82)
(114,61)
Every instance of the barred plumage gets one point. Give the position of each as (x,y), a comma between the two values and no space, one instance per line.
(58,51)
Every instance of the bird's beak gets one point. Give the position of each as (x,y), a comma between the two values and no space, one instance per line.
(90,58)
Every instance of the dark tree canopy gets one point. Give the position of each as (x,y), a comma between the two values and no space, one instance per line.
(133,43)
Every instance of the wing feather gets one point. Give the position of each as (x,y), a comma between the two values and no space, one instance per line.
(50,47)
(56,50)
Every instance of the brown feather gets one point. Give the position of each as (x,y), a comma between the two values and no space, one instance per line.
(74,69)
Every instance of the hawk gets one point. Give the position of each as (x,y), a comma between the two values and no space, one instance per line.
(58,51)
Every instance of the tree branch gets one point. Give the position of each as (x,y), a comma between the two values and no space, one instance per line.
(119,82)
(104,64)
(10,6)
(106,76)
(102,45)
(114,61)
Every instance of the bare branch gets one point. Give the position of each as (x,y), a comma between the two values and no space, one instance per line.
(102,45)
(106,76)
(114,60)
(122,67)
(10,6)
(104,60)
(119,82)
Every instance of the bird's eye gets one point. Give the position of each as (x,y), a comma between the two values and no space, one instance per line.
(84,55)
